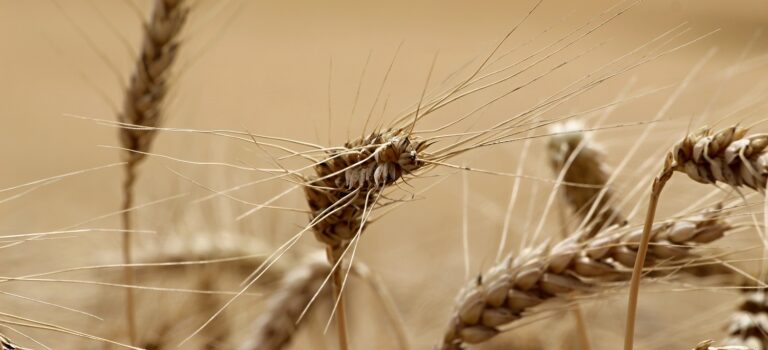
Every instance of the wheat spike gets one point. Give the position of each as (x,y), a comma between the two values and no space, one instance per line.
(508,290)
(728,156)
(143,101)
(364,166)
(585,165)
(142,109)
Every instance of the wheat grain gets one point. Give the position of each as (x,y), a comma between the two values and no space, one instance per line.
(142,106)
(508,290)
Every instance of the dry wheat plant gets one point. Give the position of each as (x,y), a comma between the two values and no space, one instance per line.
(234,174)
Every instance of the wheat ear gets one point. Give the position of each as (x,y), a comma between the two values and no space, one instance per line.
(728,156)
(142,110)
(346,187)
(580,159)
(509,290)
(749,325)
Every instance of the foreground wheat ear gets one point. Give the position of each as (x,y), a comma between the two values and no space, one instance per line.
(346,187)
(579,160)
(142,111)
(728,156)
(509,290)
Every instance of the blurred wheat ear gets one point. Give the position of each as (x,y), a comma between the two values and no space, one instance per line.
(579,161)
(277,326)
(143,111)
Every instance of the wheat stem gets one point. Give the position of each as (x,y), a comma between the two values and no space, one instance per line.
(637,270)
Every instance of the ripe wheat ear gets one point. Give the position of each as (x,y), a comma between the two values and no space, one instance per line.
(509,290)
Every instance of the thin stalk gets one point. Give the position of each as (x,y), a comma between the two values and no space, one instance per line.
(128,278)
(637,271)
(341,319)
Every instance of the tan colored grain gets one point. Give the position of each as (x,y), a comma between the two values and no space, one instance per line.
(545,273)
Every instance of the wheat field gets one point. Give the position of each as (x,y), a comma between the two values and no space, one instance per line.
(478,172)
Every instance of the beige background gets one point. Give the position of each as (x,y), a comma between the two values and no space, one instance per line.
(264,67)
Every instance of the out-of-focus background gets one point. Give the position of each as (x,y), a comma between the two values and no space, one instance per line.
(298,70)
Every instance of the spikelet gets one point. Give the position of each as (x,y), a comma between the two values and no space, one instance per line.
(728,156)
(506,292)
(586,167)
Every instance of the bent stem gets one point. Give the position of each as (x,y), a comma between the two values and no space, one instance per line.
(637,271)
(341,319)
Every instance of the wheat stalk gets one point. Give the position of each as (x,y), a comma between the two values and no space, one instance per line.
(508,290)
(142,107)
